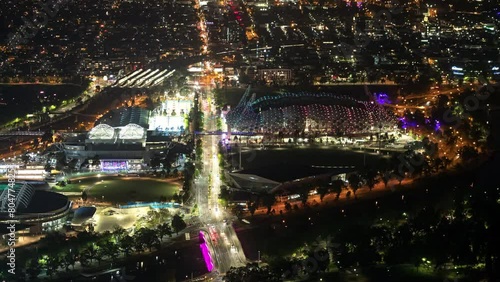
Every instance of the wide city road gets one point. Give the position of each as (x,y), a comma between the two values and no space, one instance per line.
(225,248)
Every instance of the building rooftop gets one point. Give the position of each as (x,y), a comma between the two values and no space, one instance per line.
(125,116)
(40,203)
(253,182)
(289,172)
(82,214)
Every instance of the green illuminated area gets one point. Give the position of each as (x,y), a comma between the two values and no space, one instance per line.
(5,185)
(121,190)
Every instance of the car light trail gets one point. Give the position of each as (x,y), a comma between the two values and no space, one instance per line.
(206,254)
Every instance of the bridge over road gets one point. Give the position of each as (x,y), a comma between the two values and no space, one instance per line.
(223,132)
(22,133)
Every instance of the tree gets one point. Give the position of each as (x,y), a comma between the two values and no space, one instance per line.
(322,191)
(47,167)
(224,196)
(354,247)
(178,223)
(468,153)
(90,253)
(371,182)
(61,162)
(304,195)
(164,229)
(53,240)
(250,273)
(337,186)
(25,158)
(110,250)
(73,164)
(96,161)
(118,233)
(67,260)
(354,182)
(147,237)
(47,137)
(268,200)
(84,259)
(385,176)
(33,268)
(84,196)
(399,177)
(83,238)
(155,162)
(370,176)
(127,244)
(53,263)
(321,257)
(252,207)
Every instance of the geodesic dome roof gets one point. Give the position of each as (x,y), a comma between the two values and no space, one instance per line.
(102,131)
(132,131)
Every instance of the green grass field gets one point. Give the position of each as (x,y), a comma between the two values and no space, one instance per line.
(122,190)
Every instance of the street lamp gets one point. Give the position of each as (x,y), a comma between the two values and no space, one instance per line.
(379,135)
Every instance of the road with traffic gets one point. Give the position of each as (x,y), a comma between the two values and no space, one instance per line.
(225,247)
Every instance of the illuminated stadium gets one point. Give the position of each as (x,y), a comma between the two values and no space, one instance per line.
(130,124)
(124,125)
(124,139)
(36,209)
(308,112)
(170,116)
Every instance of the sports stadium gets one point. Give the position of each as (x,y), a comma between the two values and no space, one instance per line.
(125,139)
(324,113)
(37,210)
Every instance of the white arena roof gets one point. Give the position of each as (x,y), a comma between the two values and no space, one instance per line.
(132,131)
(102,131)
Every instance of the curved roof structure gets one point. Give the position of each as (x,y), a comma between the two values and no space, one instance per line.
(20,194)
(132,131)
(253,182)
(82,214)
(102,131)
(313,112)
(125,115)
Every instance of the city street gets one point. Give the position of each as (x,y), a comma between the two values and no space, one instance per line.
(224,244)
(225,248)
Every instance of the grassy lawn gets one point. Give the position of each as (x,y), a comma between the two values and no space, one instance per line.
(78,185)
(122,190)
(306,156)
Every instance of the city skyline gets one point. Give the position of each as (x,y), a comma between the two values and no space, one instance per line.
(242,141)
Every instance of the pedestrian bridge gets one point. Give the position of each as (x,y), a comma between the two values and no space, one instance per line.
(22,133)
(223,132)
(153,205)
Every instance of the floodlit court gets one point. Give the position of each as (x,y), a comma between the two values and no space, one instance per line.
(125,218)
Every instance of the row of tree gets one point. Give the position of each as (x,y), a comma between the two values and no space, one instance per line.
(407,165)
(462,235)
(58,252)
